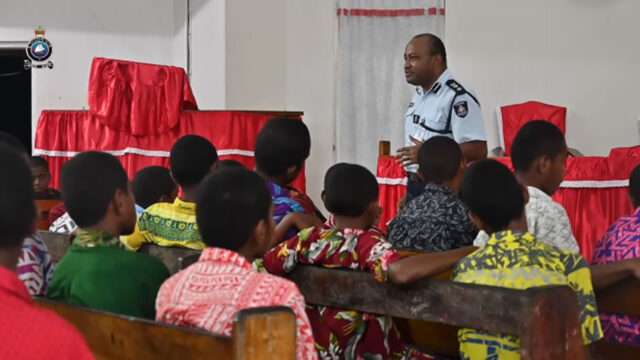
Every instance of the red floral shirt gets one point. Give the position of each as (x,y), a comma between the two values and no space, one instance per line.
(208,294)
(339,333)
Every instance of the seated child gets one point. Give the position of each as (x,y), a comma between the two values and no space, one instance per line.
(192,159)
(42,179)
(282,147)
(351,195)
(514,258)
(152,185)
(436,220)
(538,154)
(96,272)
(621,242)
(35,266)
(235,216)
(28,331)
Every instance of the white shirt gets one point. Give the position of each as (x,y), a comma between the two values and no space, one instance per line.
(447,109)
(547,221)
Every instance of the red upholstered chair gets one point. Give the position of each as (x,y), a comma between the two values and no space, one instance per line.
(512,118)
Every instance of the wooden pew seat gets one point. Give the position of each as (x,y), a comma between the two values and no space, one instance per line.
(263,333)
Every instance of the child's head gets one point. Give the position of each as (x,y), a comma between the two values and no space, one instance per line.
(192,159)
(229,163)
(282,147)
(351,191)
(97,192)
(441,162)
(40,174)
(634,187)
(17,208)
(235,212)
(154,184)
(539,153)
(494,196)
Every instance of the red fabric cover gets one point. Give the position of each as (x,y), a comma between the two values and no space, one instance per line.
(390,194)
(633,151)
(591,210)
(514,117)
(139,99)
(61,134)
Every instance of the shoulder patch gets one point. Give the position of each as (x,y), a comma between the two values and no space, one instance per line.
(462,109)
(455,86)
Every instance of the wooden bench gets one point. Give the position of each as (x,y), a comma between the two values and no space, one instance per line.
(171,257)
(620,298)
(262,333)
(541,317)
(44,206)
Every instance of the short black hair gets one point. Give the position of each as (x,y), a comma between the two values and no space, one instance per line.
(17,208)
(12,142)
(439,159)
(436,45)
(229,163)
(89,183)
(492,192)
(230,204)
(39,161)
(634,185)
(191,159)
(349,189)
(535,139)
(151,183)
(282,143)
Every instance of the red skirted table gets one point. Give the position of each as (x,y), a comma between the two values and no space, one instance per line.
(594,192)
(63,134)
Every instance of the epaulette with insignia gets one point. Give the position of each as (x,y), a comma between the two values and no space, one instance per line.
(411,105)
(455,86)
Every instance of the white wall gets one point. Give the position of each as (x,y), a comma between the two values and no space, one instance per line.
(580,54)
(280,56)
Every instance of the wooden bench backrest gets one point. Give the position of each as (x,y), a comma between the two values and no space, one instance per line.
(263,333)
(171,257)
(44,206)
(58,244)
(620,298)
(545,319)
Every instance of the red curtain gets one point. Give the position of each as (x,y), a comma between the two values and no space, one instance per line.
(393,186)
(136,98)
(514,117)
(62,134)
(594,193)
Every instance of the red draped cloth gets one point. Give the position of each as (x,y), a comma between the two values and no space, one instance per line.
(136,98)
(594,193)
(514,117)
(63,134)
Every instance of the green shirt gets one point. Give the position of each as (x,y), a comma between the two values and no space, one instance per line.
(98,274)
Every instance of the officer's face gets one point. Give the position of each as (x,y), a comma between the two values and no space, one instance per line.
(419,64)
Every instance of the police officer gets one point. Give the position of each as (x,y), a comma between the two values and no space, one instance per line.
(441,107)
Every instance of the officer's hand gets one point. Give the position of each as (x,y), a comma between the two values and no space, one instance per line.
(408,155)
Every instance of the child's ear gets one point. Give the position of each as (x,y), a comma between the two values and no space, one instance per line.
(214,166)
(421,176)
(292,172)
(544,164)
(261,238)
